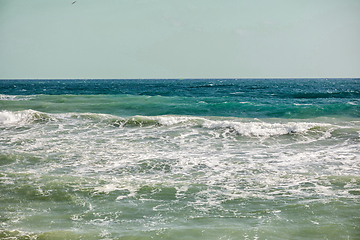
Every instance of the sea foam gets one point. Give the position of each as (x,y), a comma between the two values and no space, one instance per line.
(262,129)
(23,117)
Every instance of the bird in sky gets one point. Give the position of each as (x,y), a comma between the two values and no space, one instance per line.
(73,2)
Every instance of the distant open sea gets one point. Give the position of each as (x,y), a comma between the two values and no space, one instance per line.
(180,159)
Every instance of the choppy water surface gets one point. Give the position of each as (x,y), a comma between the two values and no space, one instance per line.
(172,159)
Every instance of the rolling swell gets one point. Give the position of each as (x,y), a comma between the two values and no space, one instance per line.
(279,98)
(238,126)
(130,105)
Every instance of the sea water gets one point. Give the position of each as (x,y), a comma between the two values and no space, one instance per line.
(180,159)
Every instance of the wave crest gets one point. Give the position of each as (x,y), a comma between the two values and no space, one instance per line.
(242,127)
(4,97)
(261,129)
(24,117)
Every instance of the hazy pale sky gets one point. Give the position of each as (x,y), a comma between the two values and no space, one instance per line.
(179,39)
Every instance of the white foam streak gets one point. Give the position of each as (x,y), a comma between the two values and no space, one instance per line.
(173,120)
(7,97)
(4,97)
(261,129)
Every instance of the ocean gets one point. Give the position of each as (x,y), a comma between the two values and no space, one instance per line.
(180,159)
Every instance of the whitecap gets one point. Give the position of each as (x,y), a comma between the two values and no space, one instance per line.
(261,129)
(7,117)
(352,103)
(23,117)
(5,97)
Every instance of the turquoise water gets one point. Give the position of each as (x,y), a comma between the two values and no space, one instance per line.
(180,159)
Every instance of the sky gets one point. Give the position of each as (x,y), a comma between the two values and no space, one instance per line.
(130,39)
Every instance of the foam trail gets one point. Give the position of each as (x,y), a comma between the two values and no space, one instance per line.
(262,129)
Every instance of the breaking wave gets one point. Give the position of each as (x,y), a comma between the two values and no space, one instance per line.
(237,126)
(24,117)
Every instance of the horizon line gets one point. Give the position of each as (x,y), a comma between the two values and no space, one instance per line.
(282,78)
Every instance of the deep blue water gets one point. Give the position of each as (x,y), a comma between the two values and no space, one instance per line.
(280,98)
